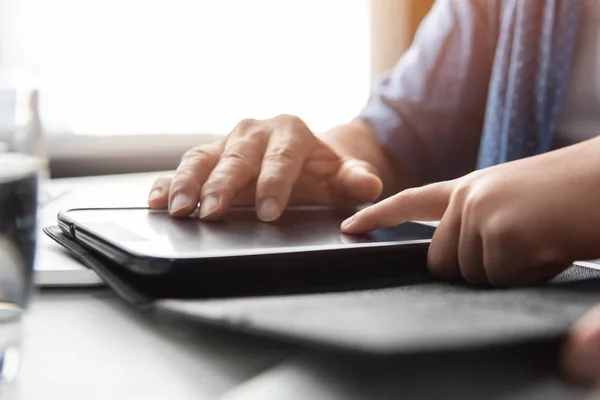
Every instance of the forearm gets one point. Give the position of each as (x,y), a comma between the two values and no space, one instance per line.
(358,141)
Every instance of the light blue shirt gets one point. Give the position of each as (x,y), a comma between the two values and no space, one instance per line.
(482,84)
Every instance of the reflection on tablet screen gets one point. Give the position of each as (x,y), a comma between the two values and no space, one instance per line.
(146,231)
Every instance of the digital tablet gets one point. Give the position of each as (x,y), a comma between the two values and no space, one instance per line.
(152,242)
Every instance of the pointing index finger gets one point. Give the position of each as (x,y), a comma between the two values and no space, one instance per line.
(426,203)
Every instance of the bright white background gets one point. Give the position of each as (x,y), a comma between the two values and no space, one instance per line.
(188,66)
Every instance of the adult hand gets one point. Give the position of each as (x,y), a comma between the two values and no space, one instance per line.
(513,224)
(270,163)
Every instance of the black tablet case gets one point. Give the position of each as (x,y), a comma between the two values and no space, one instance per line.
(407,312)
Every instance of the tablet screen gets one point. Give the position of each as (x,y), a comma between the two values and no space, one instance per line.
(156,234)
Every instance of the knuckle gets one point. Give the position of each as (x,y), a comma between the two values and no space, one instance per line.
(185,172)
(461,192)
(245,124)
(287,118)
(405,197)
(407,193)
(497,232)
(281,155)
(253,134)
(472,176)
(187,169)
(197,155)
(181,181)
(237,159)
(217,183)
(474,203)
(248,132)
(291,121)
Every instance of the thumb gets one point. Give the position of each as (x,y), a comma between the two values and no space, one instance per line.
(581,355)
(358,180)
(427,203)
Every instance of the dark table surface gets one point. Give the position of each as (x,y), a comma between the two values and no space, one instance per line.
(86,343)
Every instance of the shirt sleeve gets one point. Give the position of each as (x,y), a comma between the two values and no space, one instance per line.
(428,111)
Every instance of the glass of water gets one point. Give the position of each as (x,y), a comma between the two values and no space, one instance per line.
(22,165)
(20,125)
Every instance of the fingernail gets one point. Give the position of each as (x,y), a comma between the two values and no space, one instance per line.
(347,223)
(208,206)
(269,210)
(180,202)
(154,194)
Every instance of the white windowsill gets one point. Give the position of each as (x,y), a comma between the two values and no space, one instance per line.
(81,155)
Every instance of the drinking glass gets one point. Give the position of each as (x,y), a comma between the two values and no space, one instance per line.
(22,165)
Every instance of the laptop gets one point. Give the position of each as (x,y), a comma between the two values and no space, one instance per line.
(53,265)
